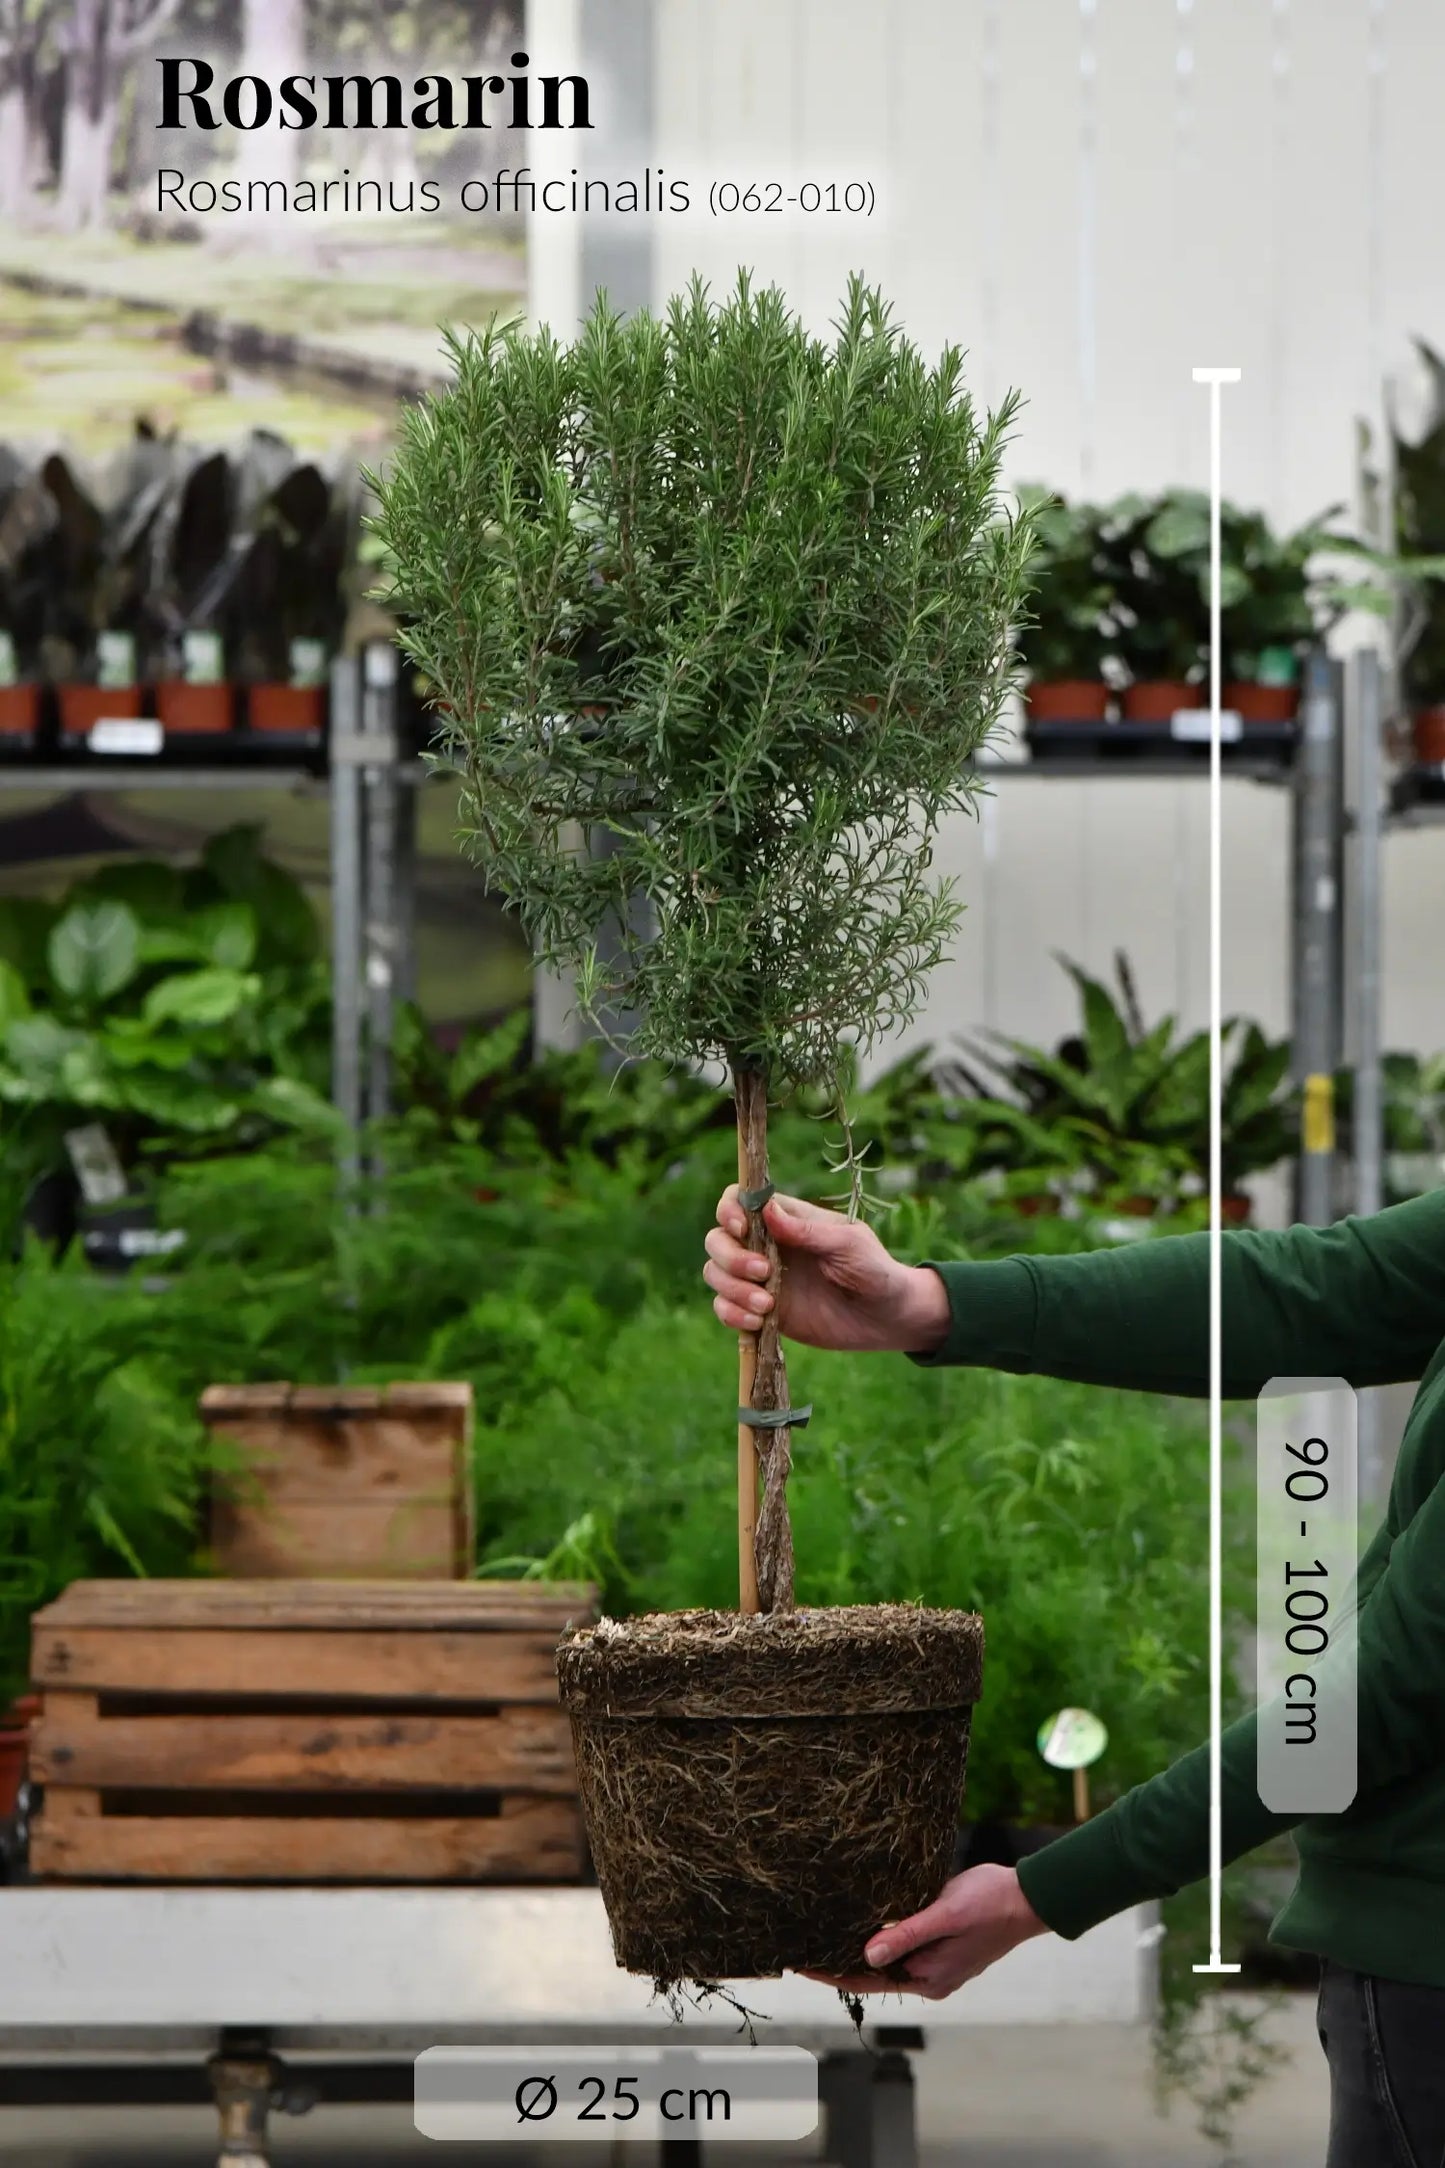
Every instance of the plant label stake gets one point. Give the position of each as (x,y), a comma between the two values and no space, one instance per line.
(1074,1739)
(1214,378)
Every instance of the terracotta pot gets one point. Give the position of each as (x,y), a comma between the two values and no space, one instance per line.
(1155,700)
(1236,1211)
(19,711)
(14,1749)
(293,711)
(82,706)
(1429,733)
(1262,703)
(1068,700)
(194,711)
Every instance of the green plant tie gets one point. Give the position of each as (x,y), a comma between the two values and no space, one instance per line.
(776,1418)
(753,1200)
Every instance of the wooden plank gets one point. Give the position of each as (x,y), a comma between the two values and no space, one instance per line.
(368,1665)
(74,1805)
(340,1448)
(540,1841)
(432,1393)
(343,1538)
(294,1456)
(465,1606)
(241,1400)
(518,1749)
(223,1400)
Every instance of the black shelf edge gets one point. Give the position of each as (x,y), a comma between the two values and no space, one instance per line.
(1417,796)
(1265,752)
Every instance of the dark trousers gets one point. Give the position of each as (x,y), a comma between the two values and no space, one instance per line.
(1385,2044)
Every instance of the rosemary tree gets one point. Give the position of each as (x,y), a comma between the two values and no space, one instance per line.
(737,599)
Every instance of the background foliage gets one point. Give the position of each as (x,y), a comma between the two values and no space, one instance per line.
(570,1299)
(173,1003)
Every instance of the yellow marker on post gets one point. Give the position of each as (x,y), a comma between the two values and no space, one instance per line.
(1318,1120)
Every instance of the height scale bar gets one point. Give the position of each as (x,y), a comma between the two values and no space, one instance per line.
(1215,378)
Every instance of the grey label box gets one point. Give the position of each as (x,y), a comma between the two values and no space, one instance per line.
(1308,1551)
(572,2094)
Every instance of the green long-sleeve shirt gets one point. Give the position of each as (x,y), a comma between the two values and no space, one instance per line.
(1363,1300)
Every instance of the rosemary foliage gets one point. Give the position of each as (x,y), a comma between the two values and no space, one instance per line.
(716,614)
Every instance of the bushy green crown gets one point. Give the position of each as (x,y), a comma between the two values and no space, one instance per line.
(739,599)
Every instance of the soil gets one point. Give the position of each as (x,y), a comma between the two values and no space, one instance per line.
(763,1793)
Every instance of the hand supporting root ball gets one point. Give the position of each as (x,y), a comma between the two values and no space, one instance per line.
(976,1919)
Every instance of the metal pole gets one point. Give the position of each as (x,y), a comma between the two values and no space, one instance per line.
(1318,954)
(407,792)
(380,932)
(1369,1115)
(617,41)
(1369,1108)
(346,900)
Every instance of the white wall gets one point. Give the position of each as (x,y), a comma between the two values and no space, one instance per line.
(1264,190)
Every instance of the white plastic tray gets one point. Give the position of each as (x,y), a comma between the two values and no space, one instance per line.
(347,1967)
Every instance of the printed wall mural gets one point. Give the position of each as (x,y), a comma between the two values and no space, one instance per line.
(134,303)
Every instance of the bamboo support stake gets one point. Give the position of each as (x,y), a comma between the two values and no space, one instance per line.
(748,1471)
(765,1542)
(747,1481)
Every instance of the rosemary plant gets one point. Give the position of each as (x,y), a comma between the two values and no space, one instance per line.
(737,601)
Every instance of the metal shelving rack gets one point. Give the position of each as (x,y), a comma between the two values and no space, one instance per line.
(372,778)
(1314,778)
(1415,800)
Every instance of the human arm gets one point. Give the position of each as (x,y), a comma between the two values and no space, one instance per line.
(840,1287)
(1363,1300)
(1155,1840)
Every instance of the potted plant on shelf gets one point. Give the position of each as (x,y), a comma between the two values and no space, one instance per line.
(1273,602)
(182,1008)
(1068,638)
(796,555)
(189,559)
(1118,1088)
(1413,1121)
(1419,501)
(1273,606)
(15,1723)
(94,570)
(290,600)
(1162,615)
(26,516)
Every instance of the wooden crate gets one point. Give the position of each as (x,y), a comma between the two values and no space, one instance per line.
(358,1483)
(232,1731)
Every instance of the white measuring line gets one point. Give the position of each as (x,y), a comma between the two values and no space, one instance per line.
(1214,378)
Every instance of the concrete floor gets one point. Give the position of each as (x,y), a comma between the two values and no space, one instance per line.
(1036,2097)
